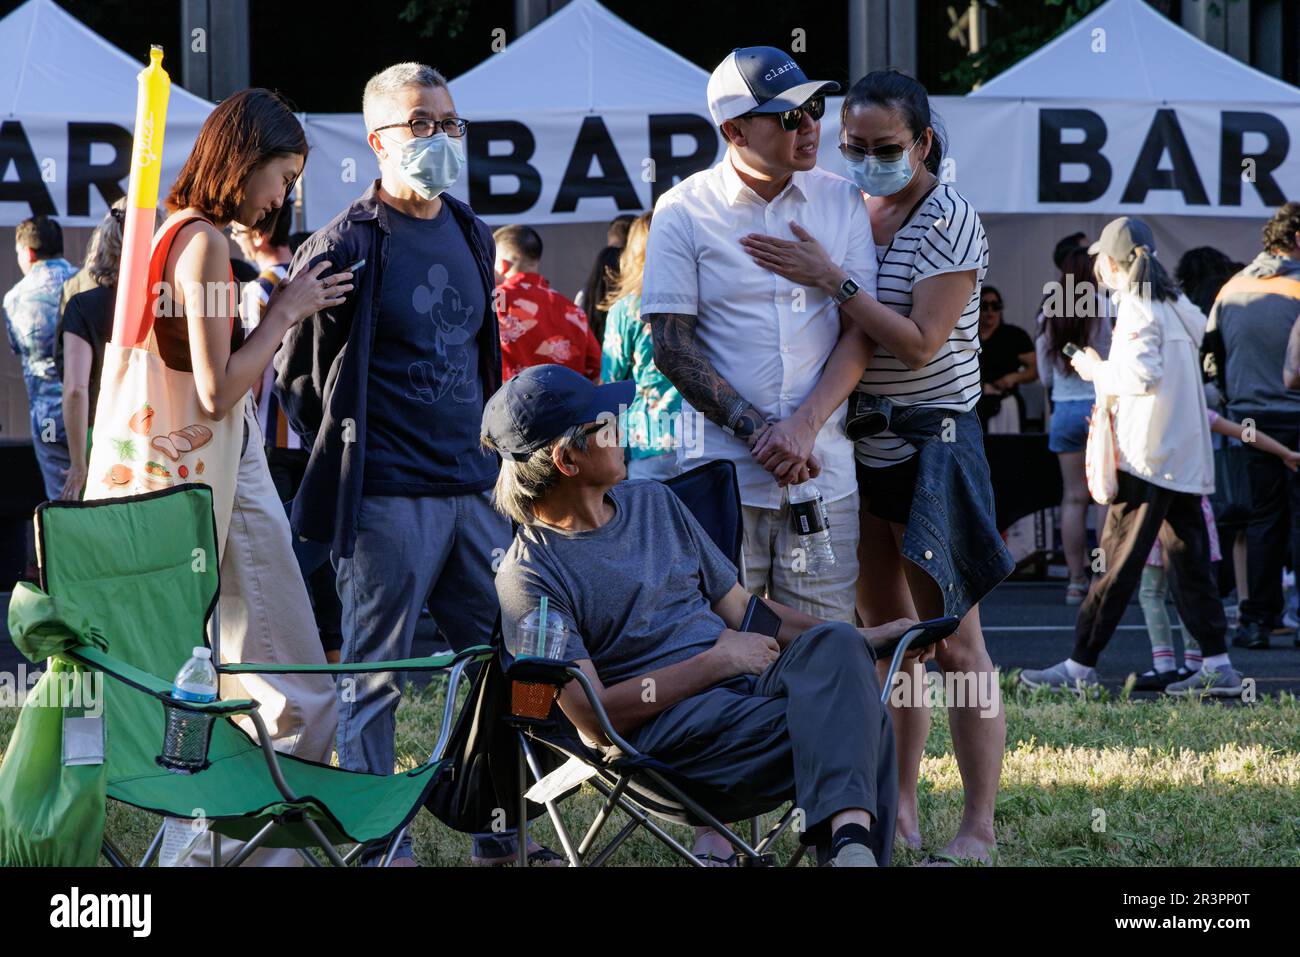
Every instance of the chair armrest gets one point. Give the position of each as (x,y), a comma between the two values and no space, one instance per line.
(430,663)
(152,685)
(602,716)
(541,670)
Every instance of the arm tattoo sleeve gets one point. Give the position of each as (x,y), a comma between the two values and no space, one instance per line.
(680,358)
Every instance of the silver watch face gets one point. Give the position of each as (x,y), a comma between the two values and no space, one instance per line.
(848,289)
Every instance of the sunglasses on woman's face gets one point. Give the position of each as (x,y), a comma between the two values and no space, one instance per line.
(889,153)
(790,119)
(989,305)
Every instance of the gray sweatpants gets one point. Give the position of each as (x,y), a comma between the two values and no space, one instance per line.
(810,728)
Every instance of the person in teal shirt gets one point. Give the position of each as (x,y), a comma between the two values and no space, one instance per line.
(654,417)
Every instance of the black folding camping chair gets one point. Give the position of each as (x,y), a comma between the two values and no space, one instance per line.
(645,789)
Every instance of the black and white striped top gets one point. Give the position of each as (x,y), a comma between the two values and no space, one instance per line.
(944,235)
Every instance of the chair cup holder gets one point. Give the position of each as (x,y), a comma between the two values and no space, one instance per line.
(532,699)
(186,737)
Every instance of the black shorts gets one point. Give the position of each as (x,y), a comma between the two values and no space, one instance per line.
(886,492)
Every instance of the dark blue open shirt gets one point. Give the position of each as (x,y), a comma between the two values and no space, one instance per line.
(323,368)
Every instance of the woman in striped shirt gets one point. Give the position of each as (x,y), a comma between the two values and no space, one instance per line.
(924,324)
(933,256)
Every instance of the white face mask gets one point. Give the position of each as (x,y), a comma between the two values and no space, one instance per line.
(1109,275)
(431,164)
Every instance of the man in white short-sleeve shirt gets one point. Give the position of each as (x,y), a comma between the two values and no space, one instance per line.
(746,347)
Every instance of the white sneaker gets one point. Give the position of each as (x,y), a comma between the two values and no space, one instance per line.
(1058,678)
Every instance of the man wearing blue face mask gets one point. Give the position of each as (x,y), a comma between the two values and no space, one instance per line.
(390,389)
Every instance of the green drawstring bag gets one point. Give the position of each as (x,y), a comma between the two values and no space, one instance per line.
(53,779)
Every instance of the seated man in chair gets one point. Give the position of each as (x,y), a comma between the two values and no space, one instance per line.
(651,606)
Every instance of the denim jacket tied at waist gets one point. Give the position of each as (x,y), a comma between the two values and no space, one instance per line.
(951,531)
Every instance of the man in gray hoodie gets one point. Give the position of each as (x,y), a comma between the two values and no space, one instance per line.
(1252,321)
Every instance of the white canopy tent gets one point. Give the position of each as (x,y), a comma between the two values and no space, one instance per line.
(68,98)
(1125,113)
(584,117)
(578,120)
(67,112)
(1138,54)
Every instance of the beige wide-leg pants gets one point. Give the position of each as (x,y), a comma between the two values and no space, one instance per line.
(266,616)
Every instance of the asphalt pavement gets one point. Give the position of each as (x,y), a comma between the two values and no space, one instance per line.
(1028,625)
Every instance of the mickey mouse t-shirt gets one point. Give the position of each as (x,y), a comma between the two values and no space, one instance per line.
(424,399)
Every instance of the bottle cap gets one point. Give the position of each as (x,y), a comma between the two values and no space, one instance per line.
(202,652)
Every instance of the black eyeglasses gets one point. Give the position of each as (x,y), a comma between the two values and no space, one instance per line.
(790,119)
(889,153)
(991,306)
(422,126)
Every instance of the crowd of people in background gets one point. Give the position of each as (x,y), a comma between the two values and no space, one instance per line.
(417,385)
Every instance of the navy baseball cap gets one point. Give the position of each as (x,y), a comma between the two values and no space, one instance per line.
(760,80)
(542,403)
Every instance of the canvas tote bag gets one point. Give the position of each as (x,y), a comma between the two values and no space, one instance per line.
(150,431)
(1101,458)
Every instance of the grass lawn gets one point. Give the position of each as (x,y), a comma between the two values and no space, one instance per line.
(1107,783)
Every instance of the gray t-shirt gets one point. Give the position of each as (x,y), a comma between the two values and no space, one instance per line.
(635,594)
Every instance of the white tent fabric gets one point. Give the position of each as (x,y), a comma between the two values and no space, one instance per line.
(1125,113)
(569,105)
(51,63)
(67,105)
(1125,50)
(581,58)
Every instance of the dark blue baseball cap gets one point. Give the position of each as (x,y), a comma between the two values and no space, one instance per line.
(542,403)
(760,80)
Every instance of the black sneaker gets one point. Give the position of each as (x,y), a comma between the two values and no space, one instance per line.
(1251,634)
(1159,680)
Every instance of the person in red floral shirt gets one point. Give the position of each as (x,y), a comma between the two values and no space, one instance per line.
(537,324)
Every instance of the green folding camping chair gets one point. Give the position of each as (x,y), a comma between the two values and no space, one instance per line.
(144,571)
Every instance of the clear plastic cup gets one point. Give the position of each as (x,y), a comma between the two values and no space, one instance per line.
(531,643)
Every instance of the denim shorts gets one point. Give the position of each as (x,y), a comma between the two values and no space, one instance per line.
(1069,429)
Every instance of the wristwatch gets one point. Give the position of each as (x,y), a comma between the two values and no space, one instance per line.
(848,289)
(742,425)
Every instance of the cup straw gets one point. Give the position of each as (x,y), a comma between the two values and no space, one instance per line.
(541,628)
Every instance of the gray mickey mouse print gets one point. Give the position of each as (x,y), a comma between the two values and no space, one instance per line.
(452,320)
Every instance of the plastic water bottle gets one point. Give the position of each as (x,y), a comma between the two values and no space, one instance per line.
(812,526)
(185,743)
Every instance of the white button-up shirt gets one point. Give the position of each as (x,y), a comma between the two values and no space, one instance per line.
(766,336)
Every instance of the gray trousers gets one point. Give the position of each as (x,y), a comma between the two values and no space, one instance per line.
(410,550)
(439,549)
(810,728)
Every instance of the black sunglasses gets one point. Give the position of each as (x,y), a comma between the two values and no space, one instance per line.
(790,119)
(889,153)
(423,126)
(991,306)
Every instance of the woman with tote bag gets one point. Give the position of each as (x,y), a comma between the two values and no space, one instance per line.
(1163,465)
(174,407)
